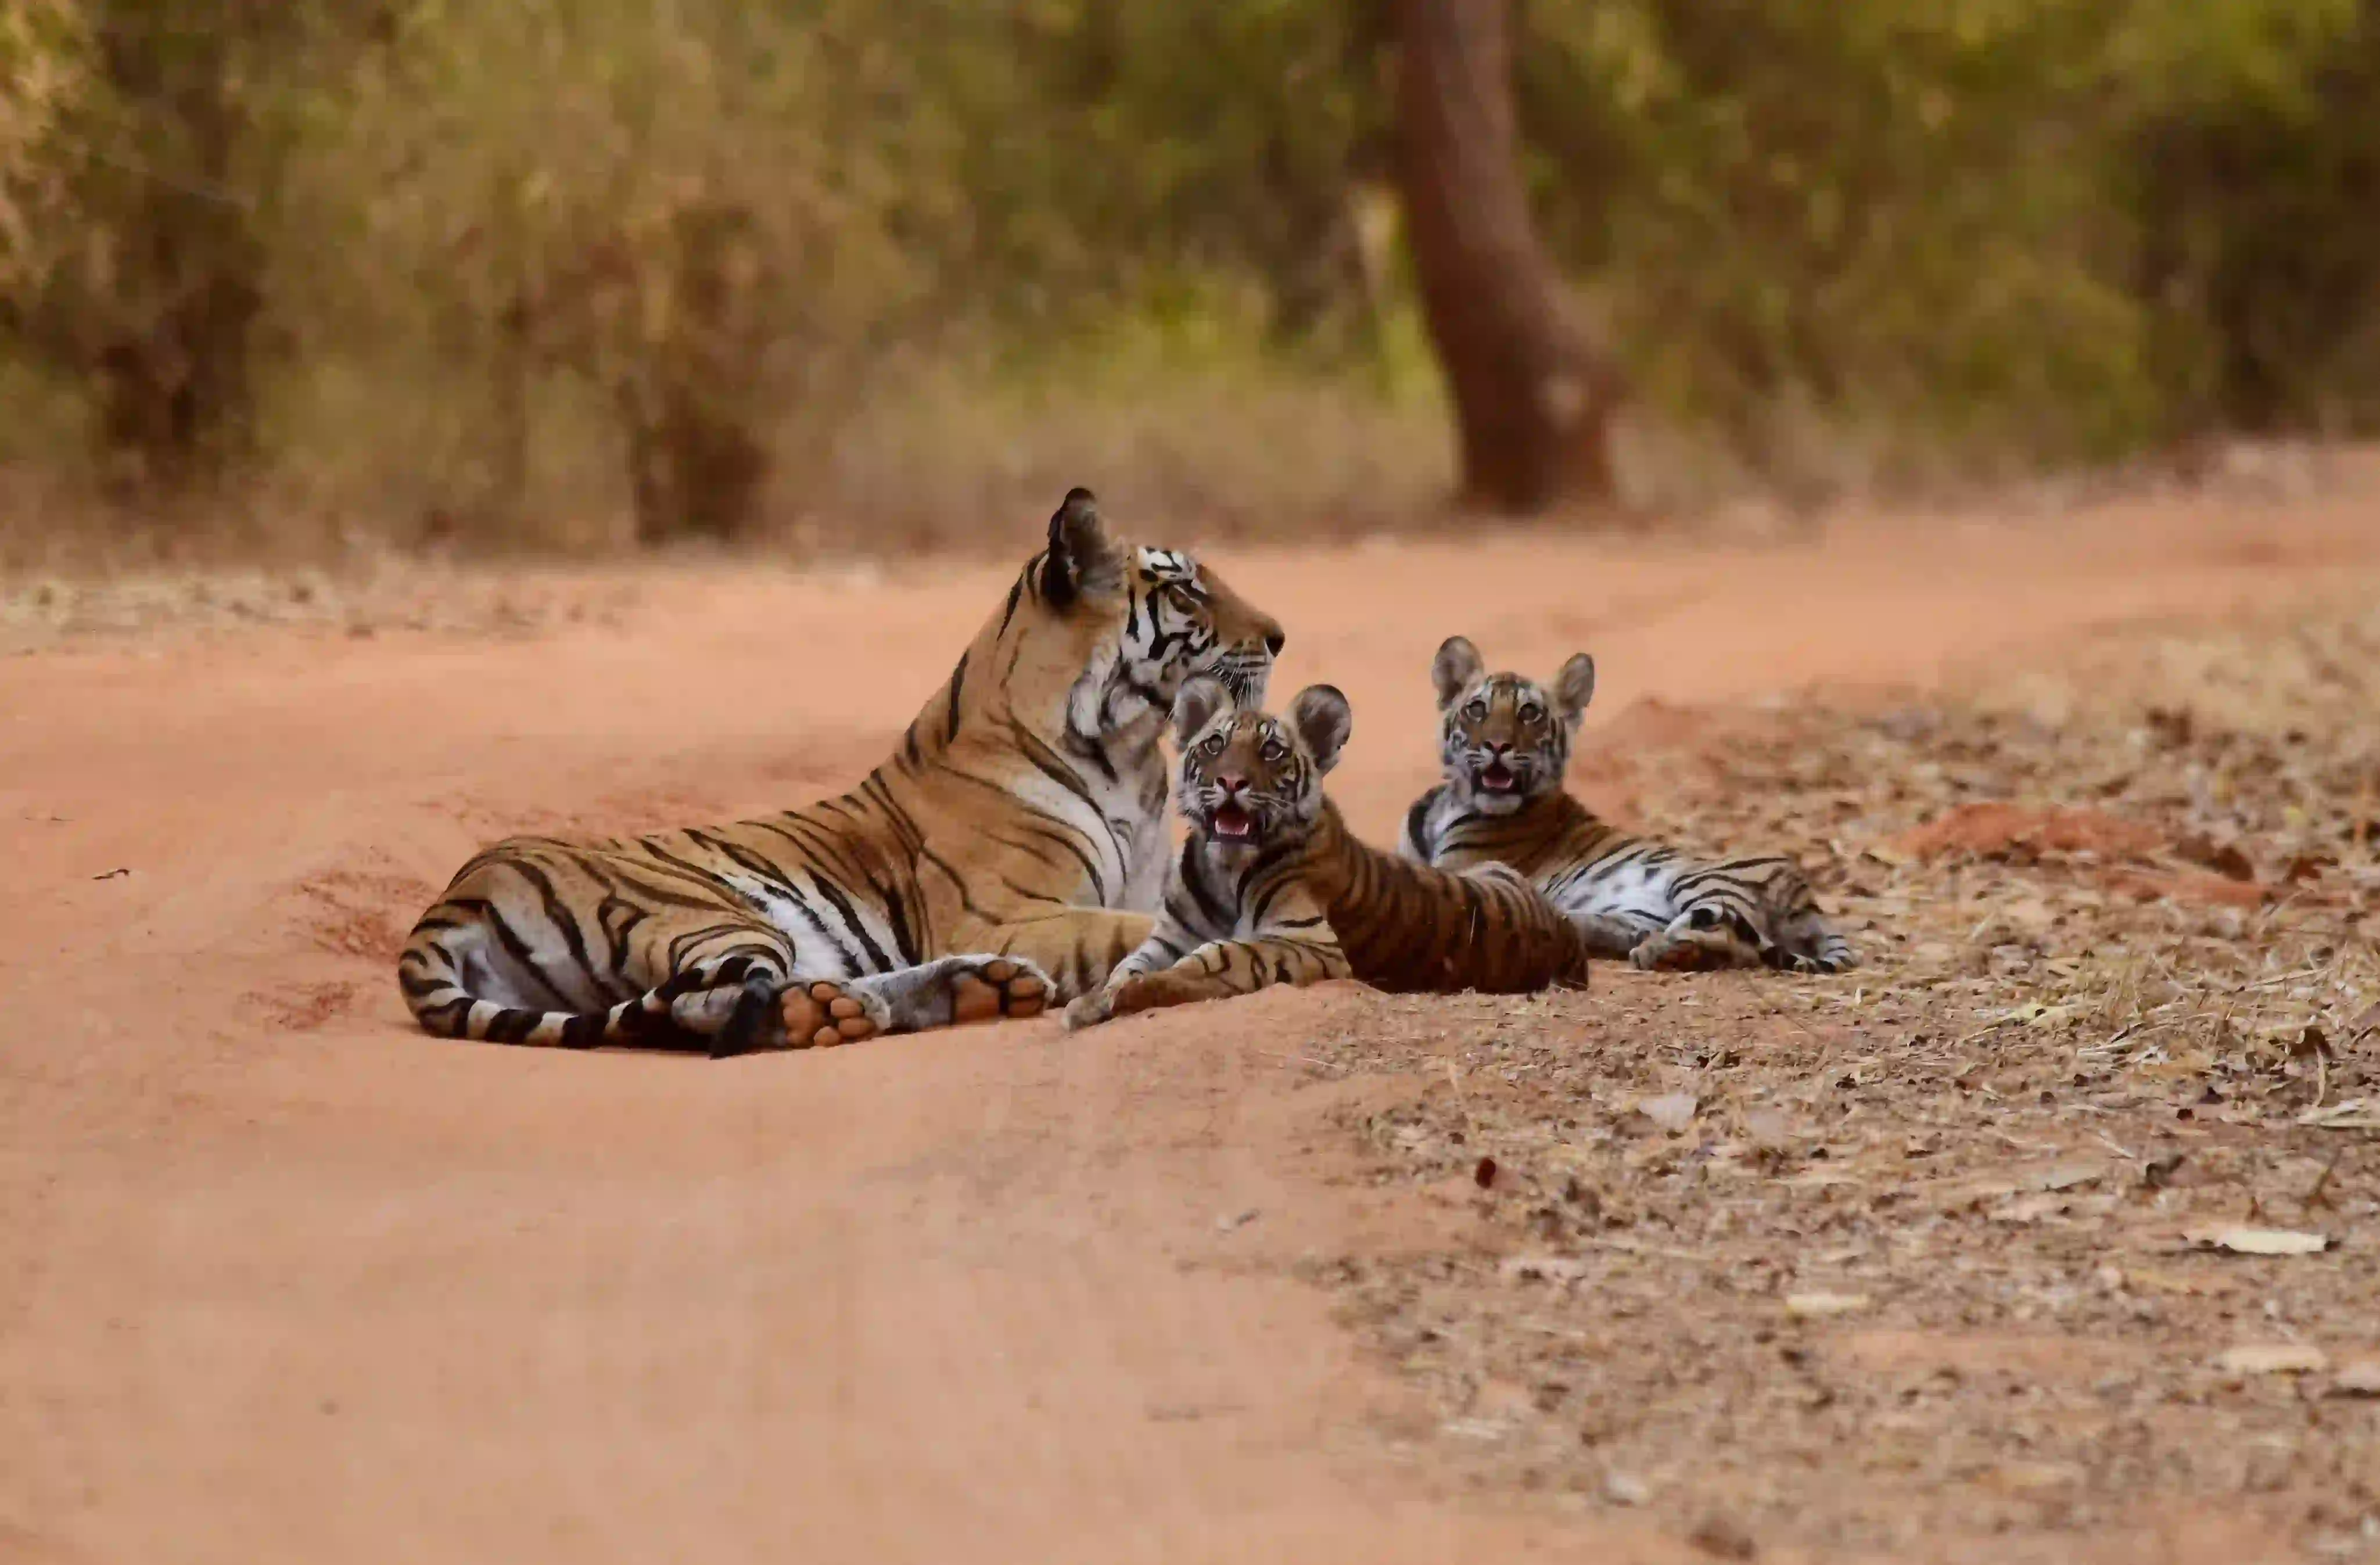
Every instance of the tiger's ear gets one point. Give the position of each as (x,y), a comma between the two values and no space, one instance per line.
(1080,558)
(1196,707)
(1456,665)
(1573,688)
(1321,720)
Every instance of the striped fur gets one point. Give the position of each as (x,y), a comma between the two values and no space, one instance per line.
(1009,851)
(1271,888)
(1504,743)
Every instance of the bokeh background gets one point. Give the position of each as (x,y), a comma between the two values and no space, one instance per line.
(279,278)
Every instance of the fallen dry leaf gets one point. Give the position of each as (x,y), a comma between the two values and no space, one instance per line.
(2355,1113)
(2273,1358)
(2148,1279)
(1671,1112)
(1769,1130)
(2358,1378)
(2033,1477)
(2030,1208)
(1547,1268)
(2224,858)
(2065,1176)
(2258,1241)
(1721,1536)
(1625,1488)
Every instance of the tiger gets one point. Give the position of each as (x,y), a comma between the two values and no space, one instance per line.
(1007,856)
(1504,743)
(1271,887)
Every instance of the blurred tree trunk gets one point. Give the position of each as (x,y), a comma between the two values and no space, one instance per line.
(690,403)
(175,396)
(1534,397)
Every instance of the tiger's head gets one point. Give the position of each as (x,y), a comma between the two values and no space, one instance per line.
(1250,780)
(1140,622)
(1505,740)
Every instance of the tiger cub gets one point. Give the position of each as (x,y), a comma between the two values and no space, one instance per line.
(1505,741)
(1271,888)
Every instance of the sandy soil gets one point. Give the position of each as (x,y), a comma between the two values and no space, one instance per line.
(281,1279)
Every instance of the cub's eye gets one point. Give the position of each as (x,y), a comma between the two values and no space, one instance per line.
(1476,712)
(1532,713)
(1214,744)
(1274,750)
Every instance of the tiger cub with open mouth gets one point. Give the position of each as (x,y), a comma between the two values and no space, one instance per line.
(1271,888)
(1504,742)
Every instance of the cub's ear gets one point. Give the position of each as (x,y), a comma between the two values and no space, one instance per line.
(1080,557)
(1456,665)
(1196,706)
(1321,720)
(1573,688)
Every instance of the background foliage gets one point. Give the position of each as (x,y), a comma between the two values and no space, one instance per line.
(582,271)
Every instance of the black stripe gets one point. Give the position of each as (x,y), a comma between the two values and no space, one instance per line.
(851,920)
(518,949)
(1417,824)
(958,683)
(557,910)
(1217,912)
(512,1026)
(423,988)
(450,1020)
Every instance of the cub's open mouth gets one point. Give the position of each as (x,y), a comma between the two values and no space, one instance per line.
(1232,821)
(1497,778)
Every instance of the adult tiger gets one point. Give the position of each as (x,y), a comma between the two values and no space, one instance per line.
(1505,741)
(1000,856)
(1271,888)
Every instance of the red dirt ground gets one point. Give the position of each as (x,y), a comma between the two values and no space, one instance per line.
(281,1279)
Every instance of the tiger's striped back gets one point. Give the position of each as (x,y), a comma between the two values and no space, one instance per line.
(1009,849)
(1504,743)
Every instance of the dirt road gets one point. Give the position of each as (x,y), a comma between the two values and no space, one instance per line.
(282,1280)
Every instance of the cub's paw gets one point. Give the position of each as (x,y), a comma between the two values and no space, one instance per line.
(1090,1009)
(1690,951)
(821,1013)
(987,988)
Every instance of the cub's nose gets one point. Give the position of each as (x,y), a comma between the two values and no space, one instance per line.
(1275,641)
(1231,782)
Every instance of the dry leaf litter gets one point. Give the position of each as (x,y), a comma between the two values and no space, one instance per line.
(2055,1215)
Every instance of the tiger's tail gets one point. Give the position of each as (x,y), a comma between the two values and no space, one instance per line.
(1831,952)
(719,1010)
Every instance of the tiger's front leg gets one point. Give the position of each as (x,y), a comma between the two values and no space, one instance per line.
(1076,947)
(1215,971)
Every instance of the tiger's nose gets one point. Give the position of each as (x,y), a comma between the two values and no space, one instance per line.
(1274,640)
(1231,782)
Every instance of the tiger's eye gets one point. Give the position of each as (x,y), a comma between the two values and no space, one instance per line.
(1475,711)
(1274,750)
(1214,744)
(1532,713)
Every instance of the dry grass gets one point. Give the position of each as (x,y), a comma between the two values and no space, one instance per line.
(1916,1258)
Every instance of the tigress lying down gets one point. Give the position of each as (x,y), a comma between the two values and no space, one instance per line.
(991,864)
(1271,888)
(1505,742)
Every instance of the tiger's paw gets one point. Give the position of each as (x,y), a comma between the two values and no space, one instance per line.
(992,988)
(1690,951)
(1090,1009)
(821,1013)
